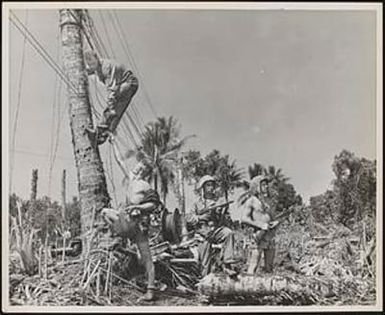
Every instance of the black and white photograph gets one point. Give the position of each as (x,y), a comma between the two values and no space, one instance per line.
(191,156)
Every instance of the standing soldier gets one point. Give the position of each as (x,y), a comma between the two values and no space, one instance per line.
(259,214)
(121,87)
(204,221)
(133,223)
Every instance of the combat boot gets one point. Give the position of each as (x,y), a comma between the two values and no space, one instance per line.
(149,296)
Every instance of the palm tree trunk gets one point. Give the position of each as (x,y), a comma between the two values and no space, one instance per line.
(63,195)
(178,188)
(164,198)
(226,195)
(156,182)
(34,185)
(221,286)
(91,179)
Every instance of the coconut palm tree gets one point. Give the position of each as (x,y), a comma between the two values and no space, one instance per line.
(92,182)
(275,175)
(158,152)
(229,176)
(255,170)
(226,172)
(193,166)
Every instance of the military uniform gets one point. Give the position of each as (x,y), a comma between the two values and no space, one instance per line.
(208,225)
(121,85)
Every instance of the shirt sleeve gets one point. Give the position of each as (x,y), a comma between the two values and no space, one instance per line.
(105,71)
(108,73)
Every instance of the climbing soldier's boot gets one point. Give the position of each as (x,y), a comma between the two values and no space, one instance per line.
(102,138)
(100,133)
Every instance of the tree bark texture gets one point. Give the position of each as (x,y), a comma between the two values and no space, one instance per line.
(63,195)
(180,194)
(216,285)
(90,173)
(34,185)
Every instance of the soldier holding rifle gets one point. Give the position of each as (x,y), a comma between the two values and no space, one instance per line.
(206,222)
(258,214)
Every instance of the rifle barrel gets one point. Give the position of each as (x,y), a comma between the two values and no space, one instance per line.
(218,206)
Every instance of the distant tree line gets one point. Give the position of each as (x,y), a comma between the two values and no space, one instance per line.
(162,153)
(352,198)
(45,216)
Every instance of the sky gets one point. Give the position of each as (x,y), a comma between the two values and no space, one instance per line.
(283,88)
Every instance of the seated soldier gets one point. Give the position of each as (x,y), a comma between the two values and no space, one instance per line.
(207,225)
(121,87)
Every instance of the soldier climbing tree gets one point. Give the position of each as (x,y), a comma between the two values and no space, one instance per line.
(91,179)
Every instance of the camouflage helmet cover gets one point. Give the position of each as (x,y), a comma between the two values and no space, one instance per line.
(204,180)
(255,183)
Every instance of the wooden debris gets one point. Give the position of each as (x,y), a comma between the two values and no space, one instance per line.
(91,276)
(319,269)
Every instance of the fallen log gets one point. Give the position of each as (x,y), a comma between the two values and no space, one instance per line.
(220,286)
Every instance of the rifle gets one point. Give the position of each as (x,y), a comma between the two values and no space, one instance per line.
(219,217)
(217,206)
(280,218)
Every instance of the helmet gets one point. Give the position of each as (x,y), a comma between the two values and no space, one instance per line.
(255,183)
(204,180)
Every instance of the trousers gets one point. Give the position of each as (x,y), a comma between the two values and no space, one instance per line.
(118,102)
(221,235)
